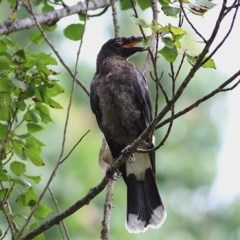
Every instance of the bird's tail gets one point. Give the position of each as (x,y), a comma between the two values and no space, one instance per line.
(144,205)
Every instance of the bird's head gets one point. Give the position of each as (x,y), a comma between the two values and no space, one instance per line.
(122,46)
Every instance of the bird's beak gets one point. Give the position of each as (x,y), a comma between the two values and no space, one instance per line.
(132,41)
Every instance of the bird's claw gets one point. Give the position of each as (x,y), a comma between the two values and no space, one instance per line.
(113,175)
(126,152)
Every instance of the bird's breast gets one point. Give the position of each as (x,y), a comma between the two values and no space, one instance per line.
(121,115)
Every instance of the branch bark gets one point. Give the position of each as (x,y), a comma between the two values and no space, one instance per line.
(52,17)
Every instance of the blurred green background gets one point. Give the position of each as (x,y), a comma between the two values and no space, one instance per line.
(187,164)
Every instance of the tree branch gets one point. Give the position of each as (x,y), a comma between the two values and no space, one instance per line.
(221,88)
(52,17)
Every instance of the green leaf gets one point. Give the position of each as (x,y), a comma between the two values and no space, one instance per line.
(168,42)
(209,64)
(193,58)
(170,54)
(47,59)
(47,8)
(164,2)
(43,112)
(4,62)
(140,22)
(18,168)
(34,156)
(3,131)
(143,4)
(36,179)
(74,31)
(4,177)
(3,47)
(19,147)
(42,211)
(3,193)
(41,66)
(176,30)
(55,90)
(52,103)
(31,116)
(32,127)
(6,85)
(36,38)
(171,11)
(125,4)
(28,198)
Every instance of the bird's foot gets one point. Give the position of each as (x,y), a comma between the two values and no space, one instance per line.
(126,152)
(113,175)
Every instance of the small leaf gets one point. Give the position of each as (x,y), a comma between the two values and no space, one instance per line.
(47,8)
(4,62)
(164,2)
(18,168)
(140,22)
(47,59)
(125,4)
(170,54)
(31,116)
(36,179)
(32,127)
(176,30)
(43,112)
(193,58)
(34,156)
(74,31)
(55,90)
(209,64)
(143,4)
(52,103)
(3,193)
(42,211)
(36,38)
(28,198)
(168,42)
(3,131)
(171,11)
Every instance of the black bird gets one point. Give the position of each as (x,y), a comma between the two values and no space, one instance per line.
(120,100)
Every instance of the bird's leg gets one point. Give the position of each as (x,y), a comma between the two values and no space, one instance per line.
(125,152)
(113,175)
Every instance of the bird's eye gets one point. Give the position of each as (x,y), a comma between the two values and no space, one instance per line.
(119,41)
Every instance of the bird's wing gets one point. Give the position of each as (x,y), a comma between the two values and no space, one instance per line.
(94,101)
(146,106)
(143,96)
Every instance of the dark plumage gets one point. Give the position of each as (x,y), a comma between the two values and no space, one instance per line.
(120,100)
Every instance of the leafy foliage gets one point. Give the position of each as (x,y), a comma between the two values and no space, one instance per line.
(27,89)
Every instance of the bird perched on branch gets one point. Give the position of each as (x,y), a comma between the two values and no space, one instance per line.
(120,100)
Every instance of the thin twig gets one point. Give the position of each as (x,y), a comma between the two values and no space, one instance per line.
(107,210)
(64,232)
(73,148)
(190,23)
(224,38)
(221,88)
